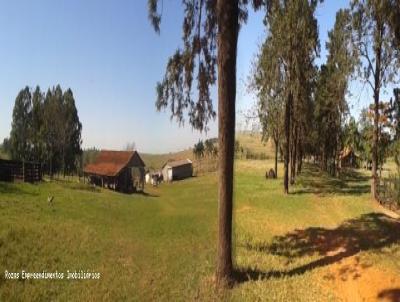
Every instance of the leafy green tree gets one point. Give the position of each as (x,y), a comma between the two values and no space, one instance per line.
(36,134)
(268,82)
(210,35)
(331,106)
(351,135)
(5,149)
(366,132)
(209,148)
(53,128)
(395,114)
(21,126)
(288,61)
(46,128)
(374,40)
(72,132)
(271,113)
(199,149)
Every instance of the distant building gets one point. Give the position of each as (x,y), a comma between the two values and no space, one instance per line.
(349,158)
(118,170)
(176,170)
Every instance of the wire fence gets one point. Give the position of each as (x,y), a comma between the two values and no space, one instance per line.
(389,192)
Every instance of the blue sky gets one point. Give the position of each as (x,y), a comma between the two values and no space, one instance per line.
(108,54)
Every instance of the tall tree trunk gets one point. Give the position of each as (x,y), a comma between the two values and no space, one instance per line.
(228,27)
(287,146)
(375,146)
(276,141)
(300,159)
(293,155)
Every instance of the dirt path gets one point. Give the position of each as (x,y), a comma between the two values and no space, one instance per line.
(354,280)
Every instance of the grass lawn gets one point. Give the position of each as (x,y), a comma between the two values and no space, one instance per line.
(325,241)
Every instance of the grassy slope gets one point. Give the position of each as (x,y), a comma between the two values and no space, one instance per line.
(250,141)
(155,161)
(162,246)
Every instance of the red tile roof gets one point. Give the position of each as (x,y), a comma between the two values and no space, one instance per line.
(110,163)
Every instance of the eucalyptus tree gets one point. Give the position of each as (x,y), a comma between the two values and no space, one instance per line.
(21,126)
(267,81)
(209,147)
(53,124)
(72,150)
(379,59)
(46,128)
(351,135)
(37,125)
(286,65)
(210,35)
(331,106)
(199,149)
(395,21)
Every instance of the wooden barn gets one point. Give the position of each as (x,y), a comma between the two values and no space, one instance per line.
(349,159)
(118,170)
(176,170)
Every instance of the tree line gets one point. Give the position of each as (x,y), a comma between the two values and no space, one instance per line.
(205,149)
(46,128)
(303,108)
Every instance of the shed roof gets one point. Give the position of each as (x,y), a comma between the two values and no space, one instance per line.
(110,163)
(177,163)
(347,151)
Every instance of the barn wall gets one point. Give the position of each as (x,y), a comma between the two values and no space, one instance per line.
(136,161)
(182,172)
(165,173)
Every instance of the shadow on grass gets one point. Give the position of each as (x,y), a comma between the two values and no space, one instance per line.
(146,194)
(371,231)
(15,188)
(390,295)
(350,182)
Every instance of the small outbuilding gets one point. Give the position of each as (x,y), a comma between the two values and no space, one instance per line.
(23,171)
(118,170)
(349,158)
(176,170)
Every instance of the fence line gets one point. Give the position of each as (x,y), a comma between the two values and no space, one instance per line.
(12,170)
(389,192)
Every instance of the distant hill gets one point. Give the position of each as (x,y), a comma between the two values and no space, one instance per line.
(156,161)
(251,142)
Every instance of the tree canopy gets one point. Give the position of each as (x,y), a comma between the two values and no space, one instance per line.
(46,128)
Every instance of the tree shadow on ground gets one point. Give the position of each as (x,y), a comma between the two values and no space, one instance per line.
(390,295)
(313,180)
(146,194)
(371,231)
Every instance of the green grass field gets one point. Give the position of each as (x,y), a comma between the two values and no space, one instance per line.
(161,245)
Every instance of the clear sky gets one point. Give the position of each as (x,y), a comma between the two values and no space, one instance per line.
(108,54)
